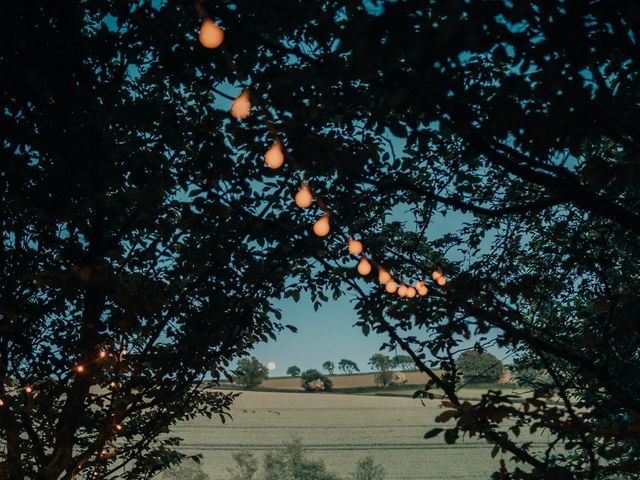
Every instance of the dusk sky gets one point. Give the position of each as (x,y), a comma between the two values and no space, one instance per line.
(329,333)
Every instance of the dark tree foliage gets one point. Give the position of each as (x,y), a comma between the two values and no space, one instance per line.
(348,366)
(329,366)
(134,209)
(293,371)
(250,372)
(479,366)
(128,222)
(517,121)
(309,376)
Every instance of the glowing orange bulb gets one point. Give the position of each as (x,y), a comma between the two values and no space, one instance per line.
(411,292)
(102,354)
(118,426)
(436,274)
(274,158)
(241,107)
(211,35)
(442,281)
(321,227)
(28,389)
(402,290)
(355,247)
(1,402)
(113,385)
(391,286)
(422,290)
(79,368)
(383,276)
(303,198)
(364,267)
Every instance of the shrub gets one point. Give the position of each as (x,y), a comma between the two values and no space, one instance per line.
(367,469)
(250,372)
(291,463)
(309,380)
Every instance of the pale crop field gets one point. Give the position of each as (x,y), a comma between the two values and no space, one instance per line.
(340,429)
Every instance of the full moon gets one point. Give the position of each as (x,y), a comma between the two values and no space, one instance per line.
(271,365)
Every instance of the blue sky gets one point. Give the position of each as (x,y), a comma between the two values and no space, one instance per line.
(329,333)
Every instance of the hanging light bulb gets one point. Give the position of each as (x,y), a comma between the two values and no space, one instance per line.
(391,286)
(411,292)
(303,198)
(274,158)
(321,227)
(364,267)
(79,368)
(402,290)
(383,276)
(102,354)
(1,402)
(211,35)
(118,426)
(28,389)
(436,274)
(355,247)
(441,281)
(241,107)
(113,385)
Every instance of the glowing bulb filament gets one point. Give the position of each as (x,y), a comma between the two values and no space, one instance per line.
(211,35)
(355,247)
(303,198)
(383,276)
(241,107)
(274,158)
(321,227)
(364,267)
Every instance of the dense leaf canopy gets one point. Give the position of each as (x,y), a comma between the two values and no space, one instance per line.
(133,208)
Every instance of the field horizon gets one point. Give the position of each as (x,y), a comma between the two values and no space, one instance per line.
(340,429)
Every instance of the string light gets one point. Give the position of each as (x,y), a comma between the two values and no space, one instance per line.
(28,389)
(118,426)
(303,198)
(391,286)
(364,267)
(102,354)
(1,402)
(355,247)
(383,276)
(241,106)
(211,35)
(274,158)
(79,368)
(321,228)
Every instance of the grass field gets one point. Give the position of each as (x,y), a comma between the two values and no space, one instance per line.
(364,384)
(340,429)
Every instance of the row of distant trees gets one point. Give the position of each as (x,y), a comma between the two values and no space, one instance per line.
(377,362)
(474,366)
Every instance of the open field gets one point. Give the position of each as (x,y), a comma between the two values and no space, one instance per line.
(340,429)
(342,381)
(364,384)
